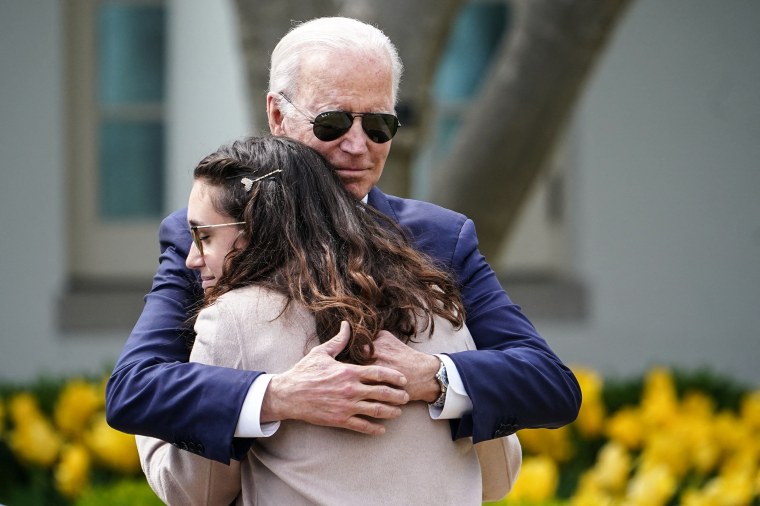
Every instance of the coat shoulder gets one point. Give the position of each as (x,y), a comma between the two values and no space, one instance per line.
(411,213)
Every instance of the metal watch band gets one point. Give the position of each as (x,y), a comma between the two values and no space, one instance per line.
(443,381)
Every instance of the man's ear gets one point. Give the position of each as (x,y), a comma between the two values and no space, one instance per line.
(274,114)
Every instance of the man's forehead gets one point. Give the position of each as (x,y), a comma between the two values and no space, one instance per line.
(345,86)
(338,65)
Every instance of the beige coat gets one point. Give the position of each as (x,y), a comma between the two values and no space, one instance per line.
(414,462)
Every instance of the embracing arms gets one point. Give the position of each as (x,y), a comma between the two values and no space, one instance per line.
(514,379)
(154,391)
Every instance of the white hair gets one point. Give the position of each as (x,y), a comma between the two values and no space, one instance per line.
(330,35)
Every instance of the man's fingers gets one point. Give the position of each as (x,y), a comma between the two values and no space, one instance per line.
(364,426)
(372,383)
(379,374)
(386,394)
(366,412)
(378,410)
(338,343)
(322,391)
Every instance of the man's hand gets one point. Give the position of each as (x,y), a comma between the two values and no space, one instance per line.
(419,368)
(322,391)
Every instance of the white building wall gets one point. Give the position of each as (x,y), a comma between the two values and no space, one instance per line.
(668,193)
(32,205)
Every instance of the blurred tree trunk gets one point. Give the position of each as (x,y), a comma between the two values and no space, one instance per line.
(510,130)
(511,127)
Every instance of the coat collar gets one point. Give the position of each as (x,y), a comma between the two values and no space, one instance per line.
(379,201)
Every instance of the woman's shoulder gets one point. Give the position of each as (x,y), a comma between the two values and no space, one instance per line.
(261,312)
(256,303)
(252,298)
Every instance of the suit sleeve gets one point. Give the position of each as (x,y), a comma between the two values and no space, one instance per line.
(153,390)
(514,379)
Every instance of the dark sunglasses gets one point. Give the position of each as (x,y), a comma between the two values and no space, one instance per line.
(330,125)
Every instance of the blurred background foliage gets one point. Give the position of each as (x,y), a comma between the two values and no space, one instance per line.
(667,437)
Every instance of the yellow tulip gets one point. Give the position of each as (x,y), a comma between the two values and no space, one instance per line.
(76,405)
(667,449)
(697,405)
(537,481)
(36,441)
(728,491)
(22,407)
(731,433)
(114,449)
(591,496)
(72,472)
(704,448)
(2,417)
(612,468)
(659,402)
(591,416)
(741,462)
(750,410)
(694,497)
(651,486)
(554,443)
(626,427)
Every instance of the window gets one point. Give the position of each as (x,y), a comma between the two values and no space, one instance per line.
(116,85)
(116,138)
(130,71)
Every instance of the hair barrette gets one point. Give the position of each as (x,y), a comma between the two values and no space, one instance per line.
(248,183)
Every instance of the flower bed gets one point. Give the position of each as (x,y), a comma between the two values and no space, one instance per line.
(690,439)
(667,439)
(57,449)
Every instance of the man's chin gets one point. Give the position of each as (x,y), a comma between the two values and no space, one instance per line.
(355,187)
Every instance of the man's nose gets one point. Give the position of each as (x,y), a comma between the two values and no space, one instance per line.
(355,140)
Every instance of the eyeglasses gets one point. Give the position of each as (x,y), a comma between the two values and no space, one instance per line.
(197,236)
(330,125)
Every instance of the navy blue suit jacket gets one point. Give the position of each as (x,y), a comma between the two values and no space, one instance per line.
(514,379)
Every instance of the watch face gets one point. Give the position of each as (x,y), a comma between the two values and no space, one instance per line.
(442,377)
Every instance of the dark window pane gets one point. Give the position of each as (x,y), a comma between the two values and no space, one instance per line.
(131,160)
(132,42)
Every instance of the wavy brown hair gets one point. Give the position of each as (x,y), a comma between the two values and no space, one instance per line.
(308,238)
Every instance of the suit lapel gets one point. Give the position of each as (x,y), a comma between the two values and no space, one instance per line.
(379,201)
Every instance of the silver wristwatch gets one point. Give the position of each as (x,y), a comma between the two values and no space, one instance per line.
(443,381)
